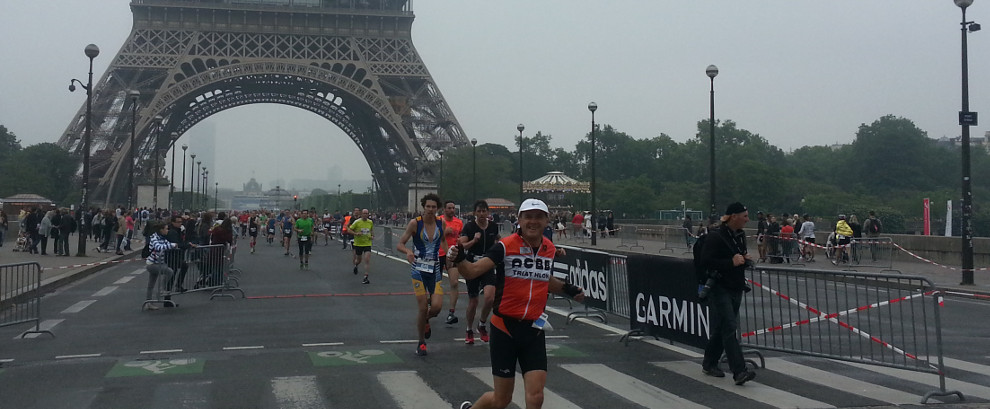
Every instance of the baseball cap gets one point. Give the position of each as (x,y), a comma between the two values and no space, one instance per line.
(735,208)
(533,204)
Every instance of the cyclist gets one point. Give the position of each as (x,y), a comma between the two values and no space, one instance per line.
(807,236)
(843,235)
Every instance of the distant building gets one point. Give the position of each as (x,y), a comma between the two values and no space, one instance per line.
(974,141)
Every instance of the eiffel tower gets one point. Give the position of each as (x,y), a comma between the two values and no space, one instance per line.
(350,61)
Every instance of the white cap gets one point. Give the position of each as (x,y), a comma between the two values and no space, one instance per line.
(534,204)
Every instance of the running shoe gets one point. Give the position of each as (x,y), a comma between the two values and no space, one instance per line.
(483,331)
(421,349)
(365,281)
(469,338)
(466,405)
(355,270)
(451,319)
(429,331)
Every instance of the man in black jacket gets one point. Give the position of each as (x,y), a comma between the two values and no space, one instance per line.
(724,255)
(175,258)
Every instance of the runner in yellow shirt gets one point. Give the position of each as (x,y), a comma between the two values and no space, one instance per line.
(363,231)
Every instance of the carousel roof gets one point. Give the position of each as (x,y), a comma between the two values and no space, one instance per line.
(556,181)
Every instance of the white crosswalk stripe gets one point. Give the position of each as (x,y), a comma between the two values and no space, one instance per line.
(968,389)
(107,290)
(628,387)
(551,400)
(79,306)
(840,382)
(410,391)
(298,392)
(751,390)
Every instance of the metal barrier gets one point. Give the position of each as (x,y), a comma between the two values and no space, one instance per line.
(387,241)
(199,269)
(629,237)
(618,286)
(872,252)
(877,319)
(783,249)
(20,288)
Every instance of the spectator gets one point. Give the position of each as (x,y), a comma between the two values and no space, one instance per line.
(45,229)
(109,229)
(576,223)
(688,237)
(807,236)
(857,230)
(66,226)
(122,231)
(610,224)
(761,236)
(773,236)
(4,225)
(787,239)
(158,245)
(873,227)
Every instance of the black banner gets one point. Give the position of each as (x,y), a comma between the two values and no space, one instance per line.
(585,269)
(663,297)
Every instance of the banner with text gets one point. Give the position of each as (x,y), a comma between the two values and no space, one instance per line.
(585,269)
(663,297)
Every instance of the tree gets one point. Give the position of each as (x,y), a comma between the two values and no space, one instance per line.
(9,144)
(44,169)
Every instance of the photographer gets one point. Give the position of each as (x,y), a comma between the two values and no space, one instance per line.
(724,256)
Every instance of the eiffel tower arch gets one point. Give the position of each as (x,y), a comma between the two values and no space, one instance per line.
(350,61)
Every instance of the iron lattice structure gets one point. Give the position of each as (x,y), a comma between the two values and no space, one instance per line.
(350,61)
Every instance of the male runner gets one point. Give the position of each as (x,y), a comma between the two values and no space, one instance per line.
(327,226)
(523,278)
(477,237)
(304,227)
(243,218)
(427,234)
(253,230)
(270,225)
(363,231)
(344,233)
(452,229)
(286,232)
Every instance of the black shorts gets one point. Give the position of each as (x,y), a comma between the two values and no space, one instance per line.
(271,232)
(810,240)
(253,232)
(475,285)
(359,250)
(844,241)
(305,246)
(525,345)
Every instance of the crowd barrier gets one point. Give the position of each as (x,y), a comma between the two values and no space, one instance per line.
(878,319)
(783,249)
(20,296)
(872,252)
(199,269)
(888,320)
(629,237)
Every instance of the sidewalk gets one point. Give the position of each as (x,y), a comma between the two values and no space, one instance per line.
(60,269)
(942,277)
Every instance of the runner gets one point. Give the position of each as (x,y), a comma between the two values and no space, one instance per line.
(252,229)
(477,237)
(452,229)
(304,227)
(523,279)
(427,234)
(327,226)
(286,232)
(363,231)
(344,233)
(243,219)
(271,230)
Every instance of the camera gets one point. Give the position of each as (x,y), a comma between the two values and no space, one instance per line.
(706,288)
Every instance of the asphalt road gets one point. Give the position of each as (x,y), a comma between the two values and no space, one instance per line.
(320,339)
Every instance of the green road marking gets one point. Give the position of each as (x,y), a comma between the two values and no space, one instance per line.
(341,358)
(560,351)
(156,367)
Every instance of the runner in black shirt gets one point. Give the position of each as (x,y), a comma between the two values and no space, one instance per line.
(477,237)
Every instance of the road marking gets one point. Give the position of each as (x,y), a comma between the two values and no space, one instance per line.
(6,360)
(751,390)
(297,392)
(243,347)
(556,336)
(161,351)
(840,382)
(45,325)
(630,388)
(324,344)
(124,280)
(78,356)
(79,306)
(650,340)
(968,389)
(400,341)
(550,399)
(138,271)
(952,363)
(105,291)
(410,391)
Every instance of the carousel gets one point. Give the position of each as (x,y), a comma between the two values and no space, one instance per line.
(557,189)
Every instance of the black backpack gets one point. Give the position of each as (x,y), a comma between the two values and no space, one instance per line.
(146,251)
(700,272)
(874,227)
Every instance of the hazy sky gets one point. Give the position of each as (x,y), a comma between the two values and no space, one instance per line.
(796,72)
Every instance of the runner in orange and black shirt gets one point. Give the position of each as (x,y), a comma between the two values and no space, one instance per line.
(523,264)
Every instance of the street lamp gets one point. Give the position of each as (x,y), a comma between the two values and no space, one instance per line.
(171,179)
(439,188)
(206,189)
(216,196)
(158,134)
(195,200)
(474,169)
(711,71)
(278,194)
(592,106)
(415,182)
(91,52)
(966,119)
(134,95)
(340,202)
(182,202)
(520,128)
(192,176)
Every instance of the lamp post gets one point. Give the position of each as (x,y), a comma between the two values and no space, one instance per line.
(206,189)
(440,187)
(966,119)
(474,169)
(216,196)
(711,71)
(340,202)
(171,179)
(195,200)
(192,177)
(415,183)
(182,202)
(134,95)
(278,194)
(592,106)
(91,52)
(520,128)
(158,134)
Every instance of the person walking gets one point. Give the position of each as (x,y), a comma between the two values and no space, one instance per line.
(517,334)
(363,230)
(66,226)
(46,230)
(121,232)
(724,253)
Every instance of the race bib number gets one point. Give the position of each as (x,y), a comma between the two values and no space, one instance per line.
(365,231)
(425,266)
(287,231)
(254,230)
(271,231)
(303,238)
